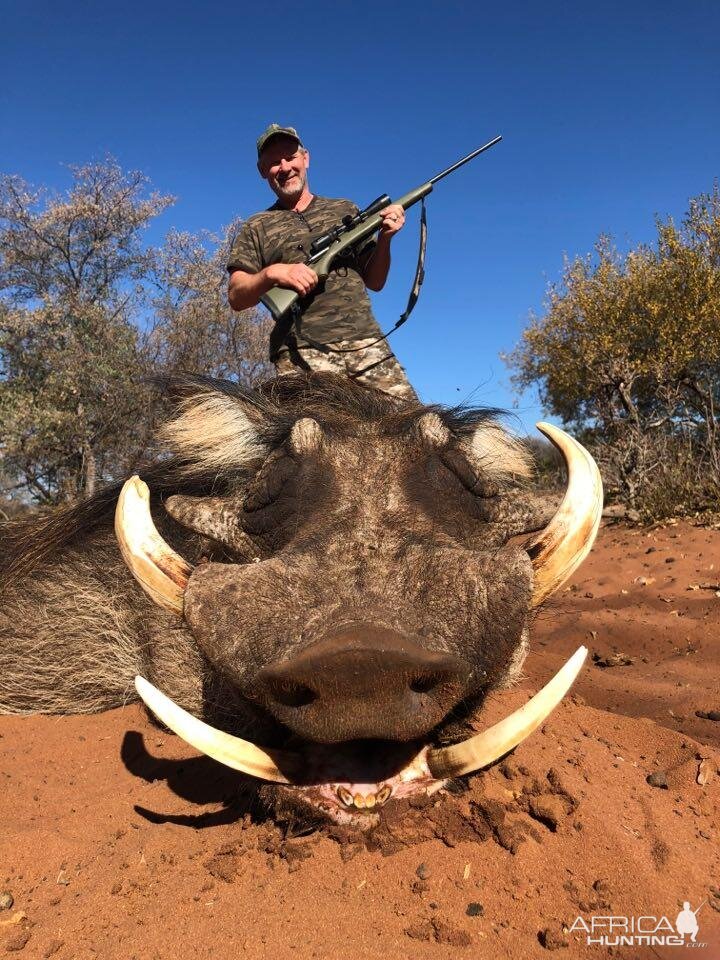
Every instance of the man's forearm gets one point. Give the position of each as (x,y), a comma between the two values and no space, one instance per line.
(245,289)
(378,266)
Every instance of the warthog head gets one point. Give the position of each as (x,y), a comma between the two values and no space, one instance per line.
(362,592)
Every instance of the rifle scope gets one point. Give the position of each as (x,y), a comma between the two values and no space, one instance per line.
(349,221)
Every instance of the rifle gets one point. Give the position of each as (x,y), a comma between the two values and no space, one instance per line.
(352,231)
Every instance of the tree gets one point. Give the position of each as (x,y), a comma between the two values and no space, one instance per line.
(71,400)
(628,353)
(79,341)
(194,327)
(85,246)
(73,272)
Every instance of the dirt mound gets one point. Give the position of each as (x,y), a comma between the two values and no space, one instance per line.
(119,842)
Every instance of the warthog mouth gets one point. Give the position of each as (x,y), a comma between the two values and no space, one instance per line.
(345,782)
(350,783)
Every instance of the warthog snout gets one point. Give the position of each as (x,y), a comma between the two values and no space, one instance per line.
(362,681)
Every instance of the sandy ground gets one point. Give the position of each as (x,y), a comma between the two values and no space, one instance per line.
(118,841)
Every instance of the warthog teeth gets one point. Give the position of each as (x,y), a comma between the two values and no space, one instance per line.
(344,796)
(565,542)
(160,571)
(491,744)
(223,747)
(364,801)
(383,795)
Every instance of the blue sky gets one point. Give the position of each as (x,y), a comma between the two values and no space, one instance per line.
(609,114)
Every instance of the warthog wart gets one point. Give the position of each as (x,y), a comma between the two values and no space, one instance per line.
(329,586)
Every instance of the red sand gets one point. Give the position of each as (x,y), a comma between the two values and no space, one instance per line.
(118,842)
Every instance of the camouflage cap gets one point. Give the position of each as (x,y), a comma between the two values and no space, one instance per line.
(273,131)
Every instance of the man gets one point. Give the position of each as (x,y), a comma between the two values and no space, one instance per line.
(335,329)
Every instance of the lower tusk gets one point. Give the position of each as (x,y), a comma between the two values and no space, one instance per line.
(160,571)
(232,751)
(486,747)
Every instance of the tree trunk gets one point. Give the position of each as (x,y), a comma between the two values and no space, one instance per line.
(89,469)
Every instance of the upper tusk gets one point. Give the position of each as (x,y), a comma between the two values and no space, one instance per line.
(160,571)
(232,751)
(565,542)
(486,747)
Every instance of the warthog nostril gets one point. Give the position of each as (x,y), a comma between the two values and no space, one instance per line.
(292,695)
(425,683)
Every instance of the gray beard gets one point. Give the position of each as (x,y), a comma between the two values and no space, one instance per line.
(290,193)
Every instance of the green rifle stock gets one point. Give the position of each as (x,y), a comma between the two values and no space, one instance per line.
(279,300)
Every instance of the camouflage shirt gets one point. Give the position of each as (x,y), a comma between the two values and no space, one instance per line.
(338,309)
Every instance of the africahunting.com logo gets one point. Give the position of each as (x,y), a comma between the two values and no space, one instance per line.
(645,931)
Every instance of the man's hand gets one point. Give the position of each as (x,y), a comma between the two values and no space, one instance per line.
(246,289)
(393,219)
(295,276)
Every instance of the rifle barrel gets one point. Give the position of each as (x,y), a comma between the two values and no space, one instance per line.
(470,156)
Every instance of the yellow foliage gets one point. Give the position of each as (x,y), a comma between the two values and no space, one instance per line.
(628,350)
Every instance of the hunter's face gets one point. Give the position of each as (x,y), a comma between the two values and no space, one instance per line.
(284,164)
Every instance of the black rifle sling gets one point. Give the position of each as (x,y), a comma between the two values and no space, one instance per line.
(412,299)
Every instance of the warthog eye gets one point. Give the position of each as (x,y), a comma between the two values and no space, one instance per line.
(468,475)
(269,483)
(453,491)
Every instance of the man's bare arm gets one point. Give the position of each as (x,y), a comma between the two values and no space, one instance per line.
(376,270)
(245,289)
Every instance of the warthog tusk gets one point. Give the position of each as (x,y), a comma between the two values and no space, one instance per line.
(479,751)
(162,573)
(223,747)
(565,542)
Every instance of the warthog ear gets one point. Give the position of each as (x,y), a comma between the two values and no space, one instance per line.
(215,432)
(485,461)
(497,455)
(213,517)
